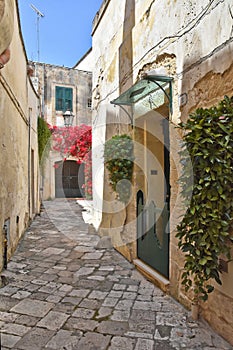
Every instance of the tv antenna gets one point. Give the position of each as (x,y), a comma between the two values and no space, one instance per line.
(39,15)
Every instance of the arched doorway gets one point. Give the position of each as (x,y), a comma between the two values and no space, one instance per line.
(69,178)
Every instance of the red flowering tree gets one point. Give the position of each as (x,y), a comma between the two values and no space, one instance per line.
(75,141)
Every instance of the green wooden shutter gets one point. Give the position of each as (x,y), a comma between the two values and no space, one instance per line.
(64,98)
(69,99)
(59,98)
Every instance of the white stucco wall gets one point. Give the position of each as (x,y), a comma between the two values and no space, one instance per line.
(86,62)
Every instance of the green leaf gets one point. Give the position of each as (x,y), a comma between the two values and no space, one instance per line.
(204,231)
(203,261)
(193,210)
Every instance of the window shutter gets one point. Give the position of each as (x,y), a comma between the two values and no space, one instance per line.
(69,99)
(59,98)
(64,98)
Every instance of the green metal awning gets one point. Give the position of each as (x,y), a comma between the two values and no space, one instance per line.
(151,85)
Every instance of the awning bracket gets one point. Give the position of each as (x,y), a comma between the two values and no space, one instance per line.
(144,88)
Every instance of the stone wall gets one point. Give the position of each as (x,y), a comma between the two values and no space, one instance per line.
(48,76)
(207,92)
(6,23)
(45,78)
(19,199)
(191,42)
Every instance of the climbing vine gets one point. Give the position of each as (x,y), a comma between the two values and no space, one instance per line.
(118,155)
(44,135)
(205,231)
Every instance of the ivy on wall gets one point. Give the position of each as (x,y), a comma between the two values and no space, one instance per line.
(205,231)
(118,156)
(44,135)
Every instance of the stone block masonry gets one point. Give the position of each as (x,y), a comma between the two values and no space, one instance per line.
(68,295)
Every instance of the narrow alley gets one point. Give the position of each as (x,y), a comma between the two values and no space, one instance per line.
(63,291)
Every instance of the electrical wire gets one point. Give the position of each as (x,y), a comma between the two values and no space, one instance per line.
(171,39)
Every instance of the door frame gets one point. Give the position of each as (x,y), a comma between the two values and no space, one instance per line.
(60,191)
(146,218)
(159,90)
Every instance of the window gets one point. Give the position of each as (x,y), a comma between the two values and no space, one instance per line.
(89,104)
(64,98)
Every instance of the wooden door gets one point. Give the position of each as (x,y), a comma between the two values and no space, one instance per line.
(69,178)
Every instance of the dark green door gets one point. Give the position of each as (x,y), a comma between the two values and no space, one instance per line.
(153,206)
(151,248)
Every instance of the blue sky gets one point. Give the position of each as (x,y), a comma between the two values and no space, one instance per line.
(64,31)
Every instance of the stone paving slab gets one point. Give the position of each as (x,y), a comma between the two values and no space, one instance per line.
(31,307)
(67,290)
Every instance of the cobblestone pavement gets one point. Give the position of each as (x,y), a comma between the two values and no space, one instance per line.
(64,293)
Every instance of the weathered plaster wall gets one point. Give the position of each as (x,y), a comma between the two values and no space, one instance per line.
(6,23)
(190,41)
(206,92)
(33,155)
(17,98)
(108,77)
(47,77)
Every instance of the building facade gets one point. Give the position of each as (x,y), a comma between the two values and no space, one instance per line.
(62,89)
(19,170)
(157,63)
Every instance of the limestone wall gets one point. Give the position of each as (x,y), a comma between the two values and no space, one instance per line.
(6,23)
(19,199)
(45,78)
(33,155)
(48,76)
(191,42)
